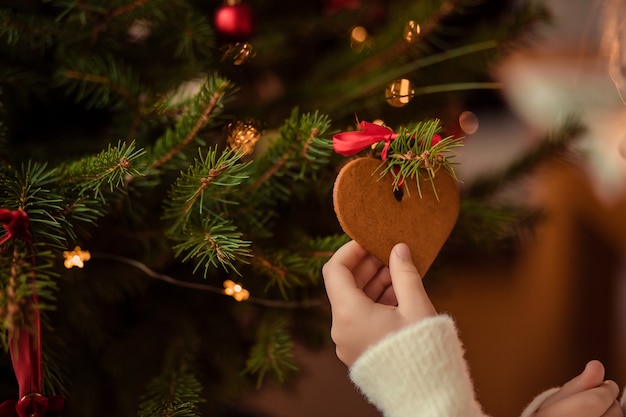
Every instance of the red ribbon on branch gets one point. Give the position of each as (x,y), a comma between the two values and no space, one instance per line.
(25,348)
(350,143)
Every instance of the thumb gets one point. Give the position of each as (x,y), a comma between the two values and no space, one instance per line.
(591,377)
(407,283)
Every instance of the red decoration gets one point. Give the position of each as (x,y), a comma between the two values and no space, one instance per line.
(350,143)
(234,21)
(16,225)
(25,346)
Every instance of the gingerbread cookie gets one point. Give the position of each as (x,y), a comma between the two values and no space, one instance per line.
(370,212)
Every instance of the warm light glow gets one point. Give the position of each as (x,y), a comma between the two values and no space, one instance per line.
(239,53)
(400,92)
(236,290)
(359,34)
(358,37)
(412,31)
(468,122)
(77,257)
(243,136)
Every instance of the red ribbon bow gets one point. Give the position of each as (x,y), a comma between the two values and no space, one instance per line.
(33,405)
(350,143)
(25,348)
(16,224)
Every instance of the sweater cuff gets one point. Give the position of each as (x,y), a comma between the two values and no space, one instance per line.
(534,405)
(419,370)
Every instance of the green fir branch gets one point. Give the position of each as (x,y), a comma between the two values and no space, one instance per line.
(31,189)
(196,36)
(203,112)
(487,226)
(205,187)
(216,243)
(197,207)
(174,393)
(272,354)
(412,155)
(315,252)
(99,81)
(281,172)
(295,266)
(275,265)
(299,151)
(109,170)
(27,31)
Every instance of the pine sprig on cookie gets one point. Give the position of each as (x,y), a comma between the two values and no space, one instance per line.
(419,151)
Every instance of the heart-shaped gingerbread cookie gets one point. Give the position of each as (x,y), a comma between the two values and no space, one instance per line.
(372,214)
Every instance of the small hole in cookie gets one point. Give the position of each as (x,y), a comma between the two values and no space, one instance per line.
(398,194)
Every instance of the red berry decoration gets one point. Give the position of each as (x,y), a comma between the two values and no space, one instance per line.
(234,21)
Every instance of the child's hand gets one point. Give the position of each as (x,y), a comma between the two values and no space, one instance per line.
(587,395)
(369,300)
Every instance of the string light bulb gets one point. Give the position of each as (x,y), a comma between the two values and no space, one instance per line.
(235,290)
(76,257)
(358,38)
(242,137)
(412,31)
(400,92)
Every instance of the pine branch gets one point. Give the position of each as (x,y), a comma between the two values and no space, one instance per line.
(413,155)
(277,175)
(432,15)
(273,267)
(197,206)
(217,242)
(128,8)
(488,227)
(30,189)
(174,393)
(196,35)
(205,187)
(379,81)
(99,81)
(297,264)
(110,169)
(24,30)
(203,112)
(273,351)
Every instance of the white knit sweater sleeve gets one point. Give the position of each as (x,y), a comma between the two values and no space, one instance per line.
(418,371)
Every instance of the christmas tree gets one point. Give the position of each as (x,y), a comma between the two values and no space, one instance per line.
(162,160)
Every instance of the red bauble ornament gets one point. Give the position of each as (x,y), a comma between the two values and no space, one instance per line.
(234,21)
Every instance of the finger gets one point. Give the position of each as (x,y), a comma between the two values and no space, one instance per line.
(590,377)
(614,411)
(366,270)
(337,272)
(594,401)
(388,297)
(407,282)
(377,285)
